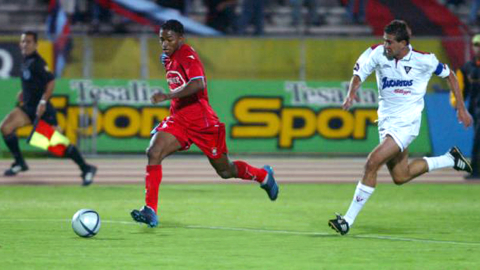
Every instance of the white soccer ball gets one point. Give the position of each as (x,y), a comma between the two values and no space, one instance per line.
(86,222)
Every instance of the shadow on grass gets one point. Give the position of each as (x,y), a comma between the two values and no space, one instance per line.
(98,238)
(326,236)
(384,230)
(160,229)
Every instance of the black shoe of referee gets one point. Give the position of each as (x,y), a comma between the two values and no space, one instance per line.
(88,174)
(16,168)
(339,224)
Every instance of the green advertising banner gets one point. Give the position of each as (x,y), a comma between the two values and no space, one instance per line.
(260,116)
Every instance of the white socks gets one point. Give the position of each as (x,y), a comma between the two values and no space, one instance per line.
(362,193)
(445,161)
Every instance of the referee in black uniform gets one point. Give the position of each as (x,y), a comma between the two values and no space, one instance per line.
(37,88)
(469,80)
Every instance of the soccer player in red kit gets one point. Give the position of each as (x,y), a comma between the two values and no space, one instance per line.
(191,120)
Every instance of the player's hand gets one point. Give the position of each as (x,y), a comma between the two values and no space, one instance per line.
(158,97)
(464,117)
(41,109)
(348,102)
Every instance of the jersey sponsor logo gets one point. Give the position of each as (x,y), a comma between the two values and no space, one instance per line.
(191,56)
(175,80)
(407,69)
(395,83)
(402,91)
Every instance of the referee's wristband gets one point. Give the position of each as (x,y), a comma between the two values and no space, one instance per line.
(43,101)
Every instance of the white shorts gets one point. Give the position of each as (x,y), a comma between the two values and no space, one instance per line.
(403,130)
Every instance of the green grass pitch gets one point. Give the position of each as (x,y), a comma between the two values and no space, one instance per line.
(416,226)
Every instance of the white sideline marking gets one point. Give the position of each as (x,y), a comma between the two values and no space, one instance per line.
(378,237)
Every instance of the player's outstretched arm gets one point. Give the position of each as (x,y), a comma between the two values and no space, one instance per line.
(462,114)
(355,83)
(191,88)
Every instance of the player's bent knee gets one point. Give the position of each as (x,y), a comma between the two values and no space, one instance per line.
(400,180)
(6,130)
(155,153)
(225,174)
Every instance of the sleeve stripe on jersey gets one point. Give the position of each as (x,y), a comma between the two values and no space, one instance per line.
(195,78)
(439,69)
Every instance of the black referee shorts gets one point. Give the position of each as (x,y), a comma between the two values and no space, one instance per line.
(50,115)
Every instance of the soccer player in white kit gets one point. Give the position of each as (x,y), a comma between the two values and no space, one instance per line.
(402,77)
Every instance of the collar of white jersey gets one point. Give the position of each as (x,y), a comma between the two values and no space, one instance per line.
(409,55)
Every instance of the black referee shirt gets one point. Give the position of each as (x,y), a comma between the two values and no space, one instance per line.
(35,77)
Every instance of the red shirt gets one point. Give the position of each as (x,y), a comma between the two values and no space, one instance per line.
(183,66)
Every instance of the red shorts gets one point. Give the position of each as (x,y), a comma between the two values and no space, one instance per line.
(210,140)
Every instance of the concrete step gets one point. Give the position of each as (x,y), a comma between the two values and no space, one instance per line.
(278,21)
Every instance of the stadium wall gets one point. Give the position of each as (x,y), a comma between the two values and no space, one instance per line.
(269,116)
(275,95)
(234,58)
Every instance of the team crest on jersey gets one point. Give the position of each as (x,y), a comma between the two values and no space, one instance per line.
(175,80)
(356,67)
(407,69)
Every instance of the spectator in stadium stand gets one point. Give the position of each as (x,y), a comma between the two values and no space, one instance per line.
(192,121)
(253,11)
(313,17)
(469,81)
(221,15)
(99,14)
(180,5)
(37,88)
(69,7)
(356,11)
(473,17)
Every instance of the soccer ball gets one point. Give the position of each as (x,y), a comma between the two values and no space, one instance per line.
(86,222)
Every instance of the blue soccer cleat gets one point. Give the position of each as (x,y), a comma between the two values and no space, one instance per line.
(270,186)
(145,215)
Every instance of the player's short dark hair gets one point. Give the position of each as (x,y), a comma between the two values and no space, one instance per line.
(174,26)
(31,33)
(399,29)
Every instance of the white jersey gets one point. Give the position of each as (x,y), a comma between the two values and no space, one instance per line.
(401,83)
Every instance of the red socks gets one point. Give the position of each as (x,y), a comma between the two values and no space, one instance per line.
(153,178)
(247,172)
